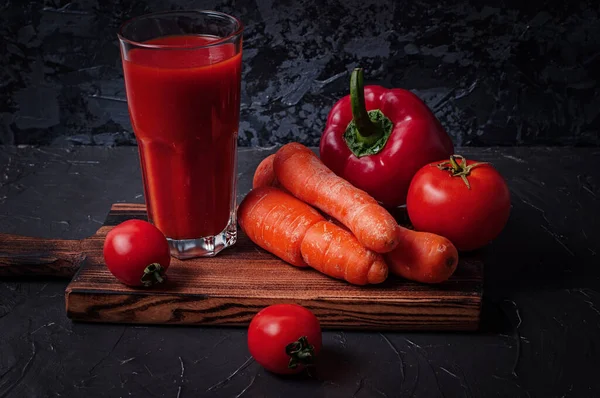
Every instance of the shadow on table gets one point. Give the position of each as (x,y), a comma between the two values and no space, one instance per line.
(532,255)
(332,368)
(335,364)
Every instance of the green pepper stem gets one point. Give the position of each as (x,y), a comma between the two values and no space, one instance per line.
(367,131)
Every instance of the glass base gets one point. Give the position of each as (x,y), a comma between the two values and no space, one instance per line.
(208,246)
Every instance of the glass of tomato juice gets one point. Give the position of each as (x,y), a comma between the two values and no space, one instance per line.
(182,78)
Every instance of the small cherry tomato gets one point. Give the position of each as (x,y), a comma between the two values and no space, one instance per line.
(284,338)
(137,253)
(465,201)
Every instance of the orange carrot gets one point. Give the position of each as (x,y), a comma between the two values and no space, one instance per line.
(277,222)
(422,257)
(334,251)
(295,232)
(303,174)
(264,176)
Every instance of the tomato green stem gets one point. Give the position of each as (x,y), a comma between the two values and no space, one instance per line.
(453,162)
(153,274)
(461,170)
(301,352)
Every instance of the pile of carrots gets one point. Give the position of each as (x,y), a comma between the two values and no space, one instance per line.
(302,212)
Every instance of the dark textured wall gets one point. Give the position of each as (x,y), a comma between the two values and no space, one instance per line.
(515,73)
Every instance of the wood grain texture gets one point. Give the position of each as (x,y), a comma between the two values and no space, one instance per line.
(231,288)
(25,256)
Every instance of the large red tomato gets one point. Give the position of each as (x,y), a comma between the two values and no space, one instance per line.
(466,201)
(284,338)
(137,253)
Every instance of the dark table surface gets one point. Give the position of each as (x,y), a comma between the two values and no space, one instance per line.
(539,336)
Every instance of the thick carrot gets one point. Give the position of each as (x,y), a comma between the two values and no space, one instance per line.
(422,256)
(303,174)
(264,176)
(295,232)
(277,222)
(334,251)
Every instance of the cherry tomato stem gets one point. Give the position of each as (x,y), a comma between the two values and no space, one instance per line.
(300,352)
(153,275)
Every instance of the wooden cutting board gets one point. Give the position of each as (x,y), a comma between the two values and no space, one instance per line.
(232,287)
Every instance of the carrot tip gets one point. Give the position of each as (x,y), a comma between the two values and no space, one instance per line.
(378,272)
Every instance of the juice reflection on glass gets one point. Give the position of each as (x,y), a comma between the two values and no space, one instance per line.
(182,77)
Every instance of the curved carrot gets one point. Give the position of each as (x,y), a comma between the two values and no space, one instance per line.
(277,222)
(264,176)
(422,257)
(334,251)
(303,174)
(295,232)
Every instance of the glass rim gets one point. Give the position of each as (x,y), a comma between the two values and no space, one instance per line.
(238,31)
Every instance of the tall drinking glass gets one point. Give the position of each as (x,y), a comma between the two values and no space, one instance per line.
(182,78)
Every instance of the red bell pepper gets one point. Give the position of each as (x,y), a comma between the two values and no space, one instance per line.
(378,138)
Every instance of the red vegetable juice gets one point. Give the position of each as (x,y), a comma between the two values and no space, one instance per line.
(184,97)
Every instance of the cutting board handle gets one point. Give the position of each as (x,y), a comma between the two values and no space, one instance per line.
(28,256)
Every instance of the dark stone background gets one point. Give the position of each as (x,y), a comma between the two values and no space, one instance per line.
(508,73)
